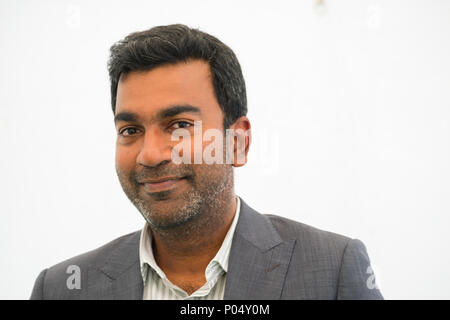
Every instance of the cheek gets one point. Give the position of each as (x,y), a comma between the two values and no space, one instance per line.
(125,159)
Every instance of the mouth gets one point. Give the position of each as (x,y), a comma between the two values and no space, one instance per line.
(161,184)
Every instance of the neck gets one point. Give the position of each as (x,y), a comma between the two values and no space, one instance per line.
(190,247)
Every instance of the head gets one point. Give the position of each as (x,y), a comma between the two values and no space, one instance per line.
(164,79)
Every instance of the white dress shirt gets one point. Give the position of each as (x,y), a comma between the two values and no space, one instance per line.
(158,287)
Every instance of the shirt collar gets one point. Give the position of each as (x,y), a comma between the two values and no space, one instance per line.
(221,258)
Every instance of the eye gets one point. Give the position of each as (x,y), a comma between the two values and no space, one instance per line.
(181,125)
(131,131)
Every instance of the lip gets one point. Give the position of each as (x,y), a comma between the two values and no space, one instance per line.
(161,184)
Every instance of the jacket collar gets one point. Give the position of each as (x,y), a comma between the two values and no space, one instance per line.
(259,258)
(123,270)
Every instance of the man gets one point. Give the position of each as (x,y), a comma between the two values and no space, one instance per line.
(200,241)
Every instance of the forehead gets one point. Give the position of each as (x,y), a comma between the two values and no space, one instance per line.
(184,83)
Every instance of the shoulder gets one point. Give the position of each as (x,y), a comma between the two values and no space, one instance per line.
(307,235)
(326,260)
(265,230)
(316,251)
(54,277)
(96,257)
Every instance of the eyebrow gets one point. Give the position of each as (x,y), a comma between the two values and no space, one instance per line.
(172,111)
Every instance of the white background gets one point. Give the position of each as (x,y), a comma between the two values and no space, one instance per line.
(349,103)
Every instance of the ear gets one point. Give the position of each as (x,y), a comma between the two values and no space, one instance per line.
(239,138)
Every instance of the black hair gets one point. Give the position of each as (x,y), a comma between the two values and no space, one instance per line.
(145,50)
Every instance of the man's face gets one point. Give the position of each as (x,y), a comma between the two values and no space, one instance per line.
(150,106)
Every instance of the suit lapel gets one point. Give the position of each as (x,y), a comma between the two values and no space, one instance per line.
(259,258)
(129,286)
(123,270)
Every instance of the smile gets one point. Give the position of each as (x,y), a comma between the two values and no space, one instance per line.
(162,185)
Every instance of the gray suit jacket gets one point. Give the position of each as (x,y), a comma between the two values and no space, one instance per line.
(271,258)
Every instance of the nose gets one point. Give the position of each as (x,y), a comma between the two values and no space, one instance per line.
(155,149)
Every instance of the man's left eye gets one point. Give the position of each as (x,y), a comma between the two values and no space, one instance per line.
(181,124)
